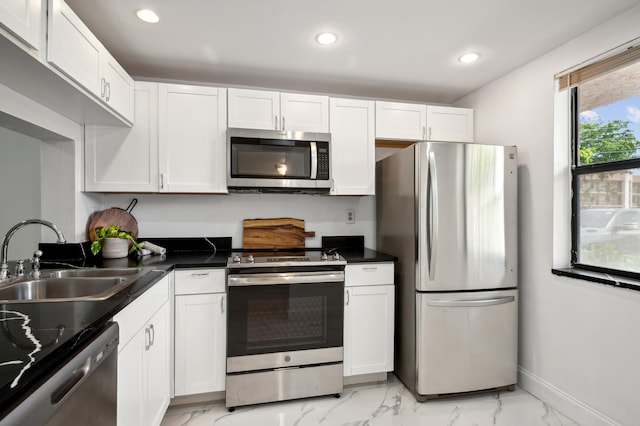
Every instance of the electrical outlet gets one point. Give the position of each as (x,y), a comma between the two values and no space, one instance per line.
(351,216)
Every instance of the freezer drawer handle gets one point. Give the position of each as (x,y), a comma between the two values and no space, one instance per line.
(473,302)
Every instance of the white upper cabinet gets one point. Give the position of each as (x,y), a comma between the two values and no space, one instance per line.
(401,121)
(259,109)
(352,146)
(305,113)
(177,143)
(192,138)
(122,159)
(254,109)
(449,124)
(75,51)
(22,19)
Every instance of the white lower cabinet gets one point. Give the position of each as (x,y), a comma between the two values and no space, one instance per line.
(143,358)
(200,331)
(368,318)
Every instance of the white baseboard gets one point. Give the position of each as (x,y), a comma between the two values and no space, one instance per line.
(576,410)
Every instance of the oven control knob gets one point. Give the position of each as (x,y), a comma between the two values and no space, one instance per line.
(287,358)
(237,259)
(336,256)
(324,256)
(251,259)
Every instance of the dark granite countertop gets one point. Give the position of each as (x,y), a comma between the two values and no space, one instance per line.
(36,338)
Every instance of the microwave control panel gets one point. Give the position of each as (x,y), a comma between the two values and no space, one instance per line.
(323,161)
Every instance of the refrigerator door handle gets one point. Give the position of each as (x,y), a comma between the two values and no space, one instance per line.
(432,215)
(469,303)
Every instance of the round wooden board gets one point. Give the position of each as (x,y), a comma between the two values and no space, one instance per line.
(112,216)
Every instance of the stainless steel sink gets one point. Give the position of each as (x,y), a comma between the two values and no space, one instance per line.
(59,288)
(95,272)
(72,285)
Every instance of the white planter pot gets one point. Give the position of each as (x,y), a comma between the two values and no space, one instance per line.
(113,248)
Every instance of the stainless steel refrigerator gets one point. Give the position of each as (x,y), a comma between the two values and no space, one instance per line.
(448,211)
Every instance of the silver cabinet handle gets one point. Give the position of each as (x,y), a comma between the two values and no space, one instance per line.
(102,87)
(147,339)
(283,123)
(222,304)
(429,133)
(108,92)
(348,298)
(370,268)
(424,132)
(472,302)
(432,215)
(152,332)
(200,274)
(161,180)
(275,122)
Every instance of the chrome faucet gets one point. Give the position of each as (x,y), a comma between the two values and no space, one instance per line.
(4,268)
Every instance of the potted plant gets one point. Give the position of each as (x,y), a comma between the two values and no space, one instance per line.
(114,242)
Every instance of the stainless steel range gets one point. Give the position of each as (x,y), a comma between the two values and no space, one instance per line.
(285,327)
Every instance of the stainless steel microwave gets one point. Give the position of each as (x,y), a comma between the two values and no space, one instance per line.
(278,161)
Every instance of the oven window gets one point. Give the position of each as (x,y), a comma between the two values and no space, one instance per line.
(271,161)
(279,318)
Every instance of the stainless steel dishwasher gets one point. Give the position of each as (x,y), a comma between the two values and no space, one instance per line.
(82,392)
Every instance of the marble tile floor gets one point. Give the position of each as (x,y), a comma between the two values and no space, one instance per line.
(381,404)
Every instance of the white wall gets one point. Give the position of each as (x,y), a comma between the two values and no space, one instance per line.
(183,215)
(20,189)
(579,341)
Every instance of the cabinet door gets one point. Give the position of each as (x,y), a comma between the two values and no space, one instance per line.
(368,329)
(352,147)
(305,113)
(119,90)
(400,121)
(22,18)
(124,159)
(157,379)
(254,109)
(200,343)
(192,138)
(130,381)
(449,124)
(73,49)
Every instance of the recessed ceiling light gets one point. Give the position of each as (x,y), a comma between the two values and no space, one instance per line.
(326,38)
(148,16)
(469,57)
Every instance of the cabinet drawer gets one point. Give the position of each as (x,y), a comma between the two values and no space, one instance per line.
(198,281)
(135,315)
(373,273)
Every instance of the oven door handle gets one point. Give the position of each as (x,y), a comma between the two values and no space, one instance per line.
(240,280)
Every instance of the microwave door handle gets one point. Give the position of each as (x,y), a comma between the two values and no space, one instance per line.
(314,160)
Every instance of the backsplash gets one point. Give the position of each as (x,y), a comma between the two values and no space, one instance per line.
(191,215)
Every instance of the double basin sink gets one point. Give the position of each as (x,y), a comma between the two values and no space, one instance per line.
(71,285)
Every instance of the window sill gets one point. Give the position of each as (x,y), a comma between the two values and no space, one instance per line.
(598,277)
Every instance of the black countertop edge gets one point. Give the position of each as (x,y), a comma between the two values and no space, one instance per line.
(598,277)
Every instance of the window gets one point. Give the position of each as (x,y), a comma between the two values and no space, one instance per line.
(605,111)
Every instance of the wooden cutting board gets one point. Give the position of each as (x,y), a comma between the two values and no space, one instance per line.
(277,233)
(113,216)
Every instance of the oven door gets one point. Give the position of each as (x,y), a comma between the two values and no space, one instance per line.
(283,312)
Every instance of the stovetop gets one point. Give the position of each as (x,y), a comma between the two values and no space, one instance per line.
(303,258)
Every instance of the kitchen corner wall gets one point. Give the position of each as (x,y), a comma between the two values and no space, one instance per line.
(187,215)
(579,345)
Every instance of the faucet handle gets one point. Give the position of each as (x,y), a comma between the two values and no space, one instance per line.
(20,268)
(35,263)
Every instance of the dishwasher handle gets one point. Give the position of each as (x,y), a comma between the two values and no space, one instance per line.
(462,303)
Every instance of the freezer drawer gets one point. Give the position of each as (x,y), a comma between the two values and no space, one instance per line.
(466,341)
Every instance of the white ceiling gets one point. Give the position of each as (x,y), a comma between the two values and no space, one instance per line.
(387,49)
